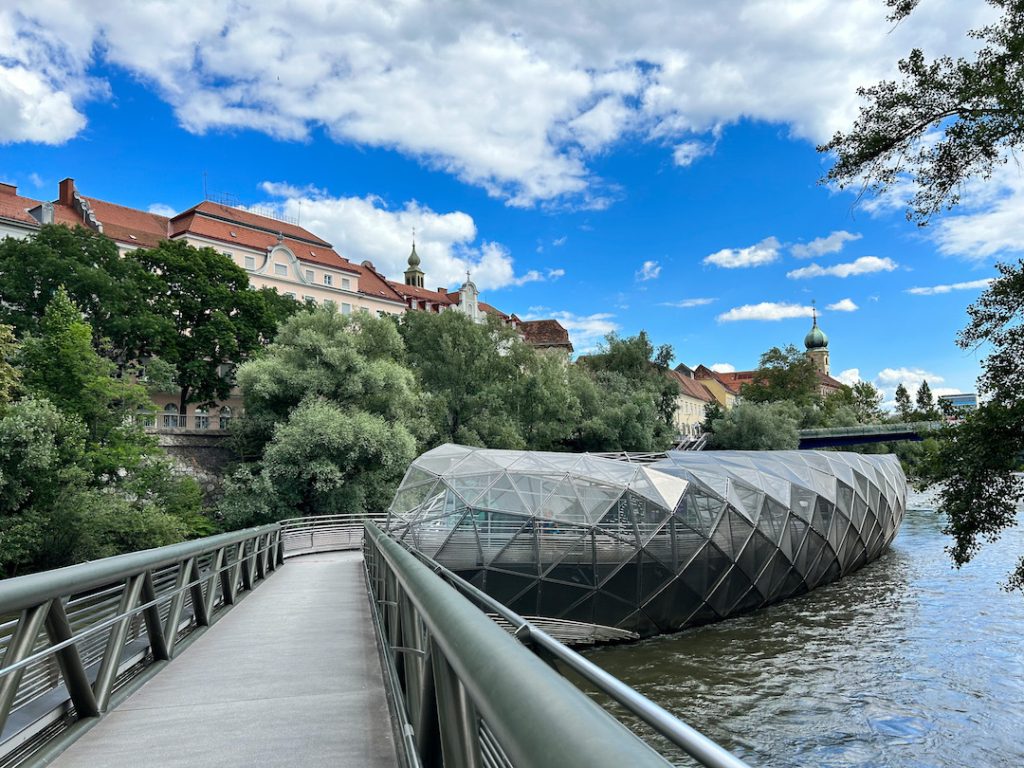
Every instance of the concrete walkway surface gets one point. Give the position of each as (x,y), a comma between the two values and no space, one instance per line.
(288,677)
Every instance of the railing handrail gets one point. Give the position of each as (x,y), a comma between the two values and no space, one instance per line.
(20,592)
(538,717)
(687,738)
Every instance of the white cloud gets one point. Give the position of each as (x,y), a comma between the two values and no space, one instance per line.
(764,252)
(560,240)
(723,368)
(687,303)
(932,290)
(514,97)
(766,310)
(648,271)
(162,209)
(889,379)
(863,266)
(585,331)
(843,305)
(988,221)
(849,377)
(687,153)
(366,229)
(821,246)
(36,180)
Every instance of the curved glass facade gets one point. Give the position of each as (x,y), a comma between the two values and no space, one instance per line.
(687,539)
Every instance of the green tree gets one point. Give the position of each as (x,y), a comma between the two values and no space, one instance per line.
(904,408)
(10,377)
(867,402)
(217,319)
(109,290)
(331,420)
(784,374)
(757,427)
(975,461)
(926,402)
(944,122)
(468,372)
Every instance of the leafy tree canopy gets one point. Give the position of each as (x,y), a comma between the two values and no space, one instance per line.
(945,120)
(975,461)
(757,427)
(784,374)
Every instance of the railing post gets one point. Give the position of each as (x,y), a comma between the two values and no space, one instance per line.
(18,648)
(70,662)
(459,722)
(185,568)
(154,627)
(104,684)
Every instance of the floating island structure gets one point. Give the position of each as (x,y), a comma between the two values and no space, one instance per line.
(648,544)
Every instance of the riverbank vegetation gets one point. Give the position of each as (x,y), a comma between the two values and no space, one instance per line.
(944,123)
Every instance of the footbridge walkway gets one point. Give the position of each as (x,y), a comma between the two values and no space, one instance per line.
(232,651)
(868,433)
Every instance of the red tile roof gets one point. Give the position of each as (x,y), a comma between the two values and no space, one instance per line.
(691,387)
(208,208)
(373,283)
(194,222)
(121,223)
(545,333)
(14,207)
(421,294)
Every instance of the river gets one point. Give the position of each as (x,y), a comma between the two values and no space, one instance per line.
(907,663)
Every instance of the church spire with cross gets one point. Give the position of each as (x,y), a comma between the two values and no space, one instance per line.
(816,343)
(413,274)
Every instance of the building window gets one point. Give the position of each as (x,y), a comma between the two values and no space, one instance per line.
(250,262)
(309,300)
(290,295)
(328,304)
(201,418)
(328,279)
(310,277)
(345,284)
(170,416)
(281,269)
(346,309)
(225,416)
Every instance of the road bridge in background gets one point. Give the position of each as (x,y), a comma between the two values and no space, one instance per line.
(837,437)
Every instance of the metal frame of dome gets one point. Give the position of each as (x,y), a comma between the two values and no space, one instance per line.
(691,538)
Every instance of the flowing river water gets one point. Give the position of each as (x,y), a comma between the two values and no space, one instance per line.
(907,662)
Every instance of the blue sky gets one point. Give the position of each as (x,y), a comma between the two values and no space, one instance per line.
(614,169)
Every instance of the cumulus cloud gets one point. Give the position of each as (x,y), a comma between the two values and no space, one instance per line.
(820,246)
(585,331)
(688,303)
(366,229)
(766,310)
(648,271)
(843,305)
(162,209)
(933,290)
(764,252)
(516,97)
(863,266)
(889,379)
(723,368)
(849,377)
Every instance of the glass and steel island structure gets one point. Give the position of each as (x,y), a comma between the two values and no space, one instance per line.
(652,546)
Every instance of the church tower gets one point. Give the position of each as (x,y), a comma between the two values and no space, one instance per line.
(414,275)
(816,343)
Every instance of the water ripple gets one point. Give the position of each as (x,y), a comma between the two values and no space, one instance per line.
(907,663)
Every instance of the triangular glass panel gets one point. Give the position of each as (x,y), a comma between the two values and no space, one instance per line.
(502,496)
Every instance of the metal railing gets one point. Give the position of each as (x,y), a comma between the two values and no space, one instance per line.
(324,533)
(80,639)
(475,696)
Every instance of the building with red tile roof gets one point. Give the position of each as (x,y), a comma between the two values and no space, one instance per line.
(546,334)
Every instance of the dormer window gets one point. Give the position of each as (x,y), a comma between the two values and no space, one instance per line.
(281,269)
